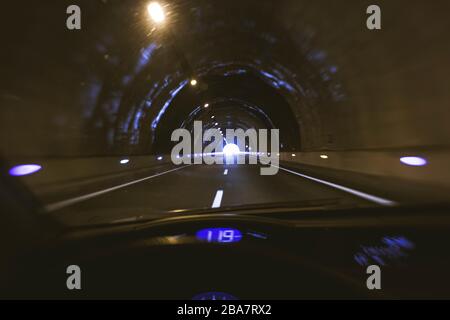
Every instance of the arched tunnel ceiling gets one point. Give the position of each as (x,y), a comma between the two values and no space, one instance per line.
(232,101)
(311,68)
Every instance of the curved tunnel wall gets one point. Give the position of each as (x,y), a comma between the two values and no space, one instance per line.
(105,89)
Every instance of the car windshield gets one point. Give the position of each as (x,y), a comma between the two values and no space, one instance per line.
(116,111)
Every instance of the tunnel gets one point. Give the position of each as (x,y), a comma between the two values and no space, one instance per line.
(121,84)
(87,114)
(359,99)
(118,87)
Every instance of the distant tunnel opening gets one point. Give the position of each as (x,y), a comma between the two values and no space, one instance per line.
(242,101)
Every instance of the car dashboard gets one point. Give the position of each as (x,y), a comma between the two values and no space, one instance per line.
(243,257)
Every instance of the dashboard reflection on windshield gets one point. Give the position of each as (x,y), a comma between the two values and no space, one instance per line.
(395,250)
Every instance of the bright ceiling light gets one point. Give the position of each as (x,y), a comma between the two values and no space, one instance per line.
(124,161)
(193,82)
(156,12)
(206,105)
(324,156)
(231,149)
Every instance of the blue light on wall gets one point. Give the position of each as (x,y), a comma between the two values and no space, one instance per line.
(24,169)
(413,161)
(219,235)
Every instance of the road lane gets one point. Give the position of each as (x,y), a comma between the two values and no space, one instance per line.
(245,186)
(68,202)
(217,199)
(196,187)
(360,194)
(190,188)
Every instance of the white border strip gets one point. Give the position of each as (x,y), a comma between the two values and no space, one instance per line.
(217,199)
(382,201)
(66,203)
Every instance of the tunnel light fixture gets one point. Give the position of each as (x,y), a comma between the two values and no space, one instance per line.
(212,117)
(323,156)
(124,161)
(193,82)
(206,105)
(294,155)
(231,149)
(156,12)
(24,169)
(159,158)
(414,161)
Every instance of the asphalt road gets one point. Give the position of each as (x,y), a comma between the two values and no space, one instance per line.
(199,187)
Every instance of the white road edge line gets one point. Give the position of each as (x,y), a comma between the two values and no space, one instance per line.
(217,199)
(65,203)
(382,201)
(225,172)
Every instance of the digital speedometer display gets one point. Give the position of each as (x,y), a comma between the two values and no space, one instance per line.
(219,235)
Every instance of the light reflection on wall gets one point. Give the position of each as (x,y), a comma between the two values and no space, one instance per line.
(24,169)
(414,161)
(172,96)
(144,59)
